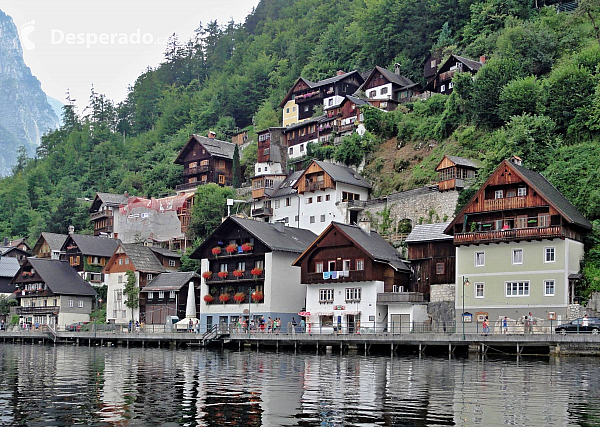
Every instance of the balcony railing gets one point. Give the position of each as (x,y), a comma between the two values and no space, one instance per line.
(262,212)
(196,170)
(101,214)
(356,204)
(451,184)
(344,128)
(37,310)
(447,75)
(518,202)
(508,235)
(349,276)
(399,297)
(315,185)
(232,279)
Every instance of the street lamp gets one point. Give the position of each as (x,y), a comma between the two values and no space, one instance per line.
(465,283)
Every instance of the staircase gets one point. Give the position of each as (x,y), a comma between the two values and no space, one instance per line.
(49,330)
(213,334)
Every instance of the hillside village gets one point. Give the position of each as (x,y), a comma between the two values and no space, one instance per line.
(308,250)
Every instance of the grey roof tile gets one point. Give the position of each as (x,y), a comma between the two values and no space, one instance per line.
(216,147)
(112,199)
(170,281)
(343,174)
(60,277)
(428,232)
(143,258)
(94,245)
(462,161)
(8,266)
(286,187)
(54,240)
(165,252)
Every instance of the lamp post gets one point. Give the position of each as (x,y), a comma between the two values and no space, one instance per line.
(465,283)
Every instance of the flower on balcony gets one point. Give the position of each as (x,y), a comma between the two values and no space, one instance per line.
(232,248)
(257,296)
(208,299)
(223,274)
(256,271)
(224,298)
(238,273)
(239,297)
(216,250)
(247,247)
(207,275)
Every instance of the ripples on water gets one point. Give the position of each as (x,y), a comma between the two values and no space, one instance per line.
(65,385)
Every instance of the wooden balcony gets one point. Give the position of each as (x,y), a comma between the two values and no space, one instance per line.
(258,193)
(451,184)
(247,277)
(352,276)
(196,170)
(101,214)
(316,185)
(519,202)
(399,297)
(447,75)
(261,212)
(495,236)
(50,309)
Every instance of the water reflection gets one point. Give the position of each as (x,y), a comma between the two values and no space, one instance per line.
(70,385)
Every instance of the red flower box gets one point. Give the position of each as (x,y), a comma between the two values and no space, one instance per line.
(239,297)
(256,271)
(207,275)
(246,247)
(231,248)
(238,273)
(223,274)
(224,298)
(208,299)
(257,296)
(216,250)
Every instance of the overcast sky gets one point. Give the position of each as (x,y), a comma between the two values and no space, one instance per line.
(70,44)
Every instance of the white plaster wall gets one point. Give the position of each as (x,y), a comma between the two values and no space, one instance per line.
(283,291)
(286,211)
(112,282)
(294,151)
(378,94)
(161,225)
(267,168)
(337,100)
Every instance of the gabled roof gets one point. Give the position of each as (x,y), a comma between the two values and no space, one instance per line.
(165,252)
(60,277)
(109,199)
(6,250)
(9,267)
(55,241)
(471,64)
(304,123)
(373,244)
(92,245)
(19,241)
(428,233)
(544,189)
(215,147)
(170,281)
(336,78)
(342,174)
(460,161)
(291,91)
(293,240)
(143,258)
(286,187)
(390,76)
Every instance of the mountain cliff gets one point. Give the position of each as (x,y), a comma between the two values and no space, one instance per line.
(25,114)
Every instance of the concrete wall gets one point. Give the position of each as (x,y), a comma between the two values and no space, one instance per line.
(141,223)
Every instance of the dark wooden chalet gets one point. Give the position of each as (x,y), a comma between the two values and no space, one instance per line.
(454,171)
(442,81)
(271,146)
(49,245)
(8,268)
(166,295)
(383,85)
(20,243)
(103,210)
(169,259)
(517,204)
(430,66)
(205,160)
(14,252)
(88,254)
(361,252)
(432,257)
(346,115)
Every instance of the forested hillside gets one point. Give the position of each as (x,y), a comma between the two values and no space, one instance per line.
(538,97)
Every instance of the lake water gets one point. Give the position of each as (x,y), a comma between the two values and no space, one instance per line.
(99,386)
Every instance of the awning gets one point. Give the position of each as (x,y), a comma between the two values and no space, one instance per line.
(352,313)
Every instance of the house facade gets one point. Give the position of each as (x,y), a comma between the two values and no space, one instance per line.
(103,211)
(388,89)
(50,292)
(49,245)
(88,255)
(441,82)
(455,172)
(519,243)
(8,269)
(247,272)
(14,252)
(355,281)
(166,295)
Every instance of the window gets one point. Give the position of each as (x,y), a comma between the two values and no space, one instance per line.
(306,108)
(126,260)
(312,219)
(326,320)
(517,256)
(549,254)
(286,219)
(301,147)
(171,263)
(479,290)
(308,200)
(510,193)
(322,218)
(548,288)
(330,101)
(149,277)
(346,196)
(123,314)
(325,295)
(543,220)
(223,267)
(450,85)
(70,303)
(346,265)
(287,110)
(360,264)
(241,265)
(517,289)
(221,179)
(80,303)
(522,221)
(288,201)
(319,267)
(439,268)
(383,90)
(115,314)
(330,265)
(172,294)
(291,150)
(161,294)
(372,94)
(276,204)
(498,194)
(433,63)
(120,261)
(205,162)
(443,88)
(327,197)
(260,264)
(479,259)
(294,109)
(353,294)
(319,199)
(119,295)
(522,191)
(150,295)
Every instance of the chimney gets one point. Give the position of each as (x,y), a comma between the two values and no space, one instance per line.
(482,59)
(279,226)
(340,72)
(365,224)
(71,229)
(211,134)
(397,68)
(516,160)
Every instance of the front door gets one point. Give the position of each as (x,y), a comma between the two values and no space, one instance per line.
(400,323)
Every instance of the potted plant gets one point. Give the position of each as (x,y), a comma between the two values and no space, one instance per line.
(231,248)
(256,271)
(247,247)
(257,296)
(224,298)
(239,297)
(216,250)
(238,273)
(208,299)
(223,274)
(207,275)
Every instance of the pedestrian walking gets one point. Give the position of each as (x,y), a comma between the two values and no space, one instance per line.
(530,323)
(294,325)
(302,325)
(505,325)
(486,328)
(585,323)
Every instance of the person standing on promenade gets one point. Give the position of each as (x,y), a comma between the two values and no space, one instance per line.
(505,325)
(585,323)
(302,325)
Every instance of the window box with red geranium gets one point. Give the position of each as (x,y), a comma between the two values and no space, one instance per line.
(231,249)
(207,275)
(257,296)
(208,299)
(256,271)
(223,274)
(247,247)
(216,250)
(239,297)
(224,298)
(238,273)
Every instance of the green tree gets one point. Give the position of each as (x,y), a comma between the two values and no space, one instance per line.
(237,172)
(210,206)
(520,96)
(132,293)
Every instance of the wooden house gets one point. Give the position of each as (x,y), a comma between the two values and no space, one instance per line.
(387,89)
(205,160)
(103,211)
(432,257)
(8,268)
(20,243)
(454,171)
(166,295)
(442,81)
(88,255)
(14,252)
(49,245)
(431,64)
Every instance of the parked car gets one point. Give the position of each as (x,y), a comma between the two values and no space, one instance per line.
(576,326)
(76,327)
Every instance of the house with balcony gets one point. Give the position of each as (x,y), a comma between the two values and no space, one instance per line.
(519,244)
(355,281)
(441,82)
(315,130)
(166,295)
(386,89)
(49,245)
(205,160)
(8,269)
(456,172)
(88,255)
(247,271)
(103,211)
(14,252)
(50,292)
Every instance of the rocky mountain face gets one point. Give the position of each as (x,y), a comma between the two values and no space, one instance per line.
(25,114)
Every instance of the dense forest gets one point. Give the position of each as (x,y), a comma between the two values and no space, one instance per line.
(538,97)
